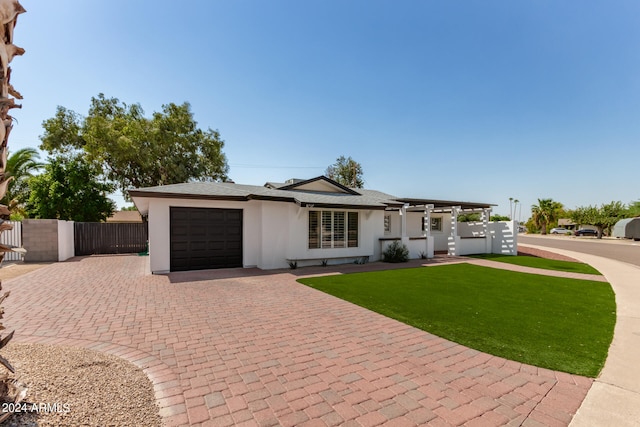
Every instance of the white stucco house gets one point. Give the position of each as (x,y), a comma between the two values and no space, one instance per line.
(203,225)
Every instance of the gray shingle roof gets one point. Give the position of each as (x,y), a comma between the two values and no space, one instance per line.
(229,191)
(370,199)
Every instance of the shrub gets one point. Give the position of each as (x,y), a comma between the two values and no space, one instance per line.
(396,252)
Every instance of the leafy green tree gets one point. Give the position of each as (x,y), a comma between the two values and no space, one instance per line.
(134,151)
(70,189)
(603,217)
(585,215)
(470,217)
(347,172)
(500,218)
(21,166)
(633,209)
(545,213)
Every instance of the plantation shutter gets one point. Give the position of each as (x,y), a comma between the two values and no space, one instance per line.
(314,229)
(326,229)
(339,230)
(333,229)
(352,227)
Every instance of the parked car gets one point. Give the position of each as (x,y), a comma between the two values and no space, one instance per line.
(558,230)
(586,232)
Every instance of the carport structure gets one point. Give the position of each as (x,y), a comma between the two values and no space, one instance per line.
(427,226)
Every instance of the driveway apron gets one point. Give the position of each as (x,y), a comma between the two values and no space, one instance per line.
(260,349)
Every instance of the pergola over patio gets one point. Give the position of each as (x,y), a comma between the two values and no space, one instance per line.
(457,244)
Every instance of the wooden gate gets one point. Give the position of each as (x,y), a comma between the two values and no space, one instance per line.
(110,238)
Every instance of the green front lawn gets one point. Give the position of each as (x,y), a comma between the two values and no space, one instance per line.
(544,263)
(556,323)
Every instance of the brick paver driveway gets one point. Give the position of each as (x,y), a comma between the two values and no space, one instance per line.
(264,350)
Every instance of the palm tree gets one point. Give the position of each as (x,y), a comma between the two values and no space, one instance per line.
(20,166)
(544,213)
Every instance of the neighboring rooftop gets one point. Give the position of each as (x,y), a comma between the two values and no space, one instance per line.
(125,216)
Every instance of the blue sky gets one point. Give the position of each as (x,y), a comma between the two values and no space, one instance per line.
(458,100)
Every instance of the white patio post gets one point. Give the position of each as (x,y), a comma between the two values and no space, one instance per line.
(403,224)
(427,230)
(486,214)
(454,239)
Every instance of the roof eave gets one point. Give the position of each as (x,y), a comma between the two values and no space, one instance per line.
(342,206)
(446,203)
(163,195)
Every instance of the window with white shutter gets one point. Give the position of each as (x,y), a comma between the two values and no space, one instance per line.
(333,229)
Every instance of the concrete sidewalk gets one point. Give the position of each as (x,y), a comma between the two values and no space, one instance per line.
(614,398)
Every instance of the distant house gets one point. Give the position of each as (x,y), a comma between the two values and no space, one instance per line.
(125,217)
(202,225)
(570,225)
(567,223)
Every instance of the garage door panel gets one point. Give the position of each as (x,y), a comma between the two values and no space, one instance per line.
(234,215)
(217,216)
(180,264)
(203,238)
(179,216)
(233,246)
(196,247)
(179,246)
(216,246)
(198,229)
(202,262)
(217,235)
(180,231)
(198,215)
(234,233)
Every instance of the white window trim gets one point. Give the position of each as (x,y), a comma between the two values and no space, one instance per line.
(387,224)
(346,229)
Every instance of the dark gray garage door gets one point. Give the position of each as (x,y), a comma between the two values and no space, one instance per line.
(205,238)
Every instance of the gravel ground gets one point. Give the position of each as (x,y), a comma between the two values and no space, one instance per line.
(81,387)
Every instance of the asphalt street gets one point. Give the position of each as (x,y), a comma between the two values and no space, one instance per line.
(621,250)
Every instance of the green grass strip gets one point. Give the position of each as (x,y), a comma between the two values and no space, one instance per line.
(555,323)
(544,263)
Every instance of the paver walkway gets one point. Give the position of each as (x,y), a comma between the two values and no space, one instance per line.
(260,349)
